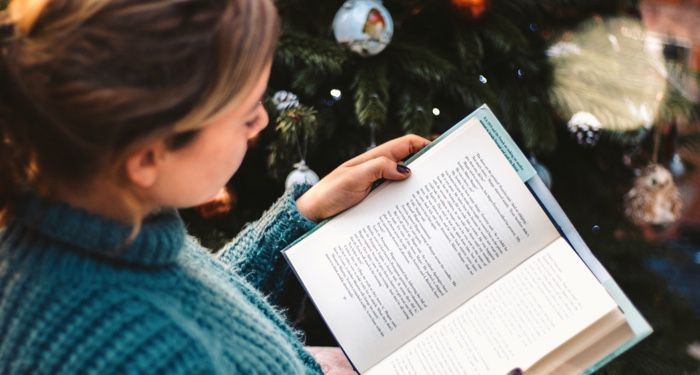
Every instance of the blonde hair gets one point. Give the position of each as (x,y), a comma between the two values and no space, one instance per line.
(85,80)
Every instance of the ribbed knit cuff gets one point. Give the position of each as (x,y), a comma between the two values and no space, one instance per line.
(292,195)
(256,251)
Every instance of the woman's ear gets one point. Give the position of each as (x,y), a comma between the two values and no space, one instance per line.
(144,163)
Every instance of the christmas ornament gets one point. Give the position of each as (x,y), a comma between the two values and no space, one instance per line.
(471,8)
(654,197)
(585,128)
(542,171)
(284,100)
(365,26)
(295,125)
(221,204)
(611,67)
(301,175)
(676,165)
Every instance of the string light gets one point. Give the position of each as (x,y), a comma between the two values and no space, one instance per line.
(335,93)
(436,111)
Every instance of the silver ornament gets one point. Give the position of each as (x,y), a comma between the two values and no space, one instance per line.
(301,175)
(284,100)
(654,198)
(365,26)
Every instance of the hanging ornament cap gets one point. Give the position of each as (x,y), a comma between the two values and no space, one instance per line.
(301,175)
(365,26)
(585,128)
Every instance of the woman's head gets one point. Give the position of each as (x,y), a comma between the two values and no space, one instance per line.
(87,82)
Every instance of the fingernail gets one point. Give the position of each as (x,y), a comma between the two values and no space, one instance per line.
(403,169)
(516,371)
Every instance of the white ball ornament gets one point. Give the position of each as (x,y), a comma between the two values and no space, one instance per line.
(301,175)
(365,26)
(285,100)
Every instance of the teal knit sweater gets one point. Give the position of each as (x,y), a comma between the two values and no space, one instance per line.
(74,299)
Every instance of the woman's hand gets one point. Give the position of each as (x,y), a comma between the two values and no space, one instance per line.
(348,184)
(332,360)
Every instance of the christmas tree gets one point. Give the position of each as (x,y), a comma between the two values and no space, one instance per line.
(580,85)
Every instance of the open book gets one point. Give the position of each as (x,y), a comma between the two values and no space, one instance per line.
(468,267)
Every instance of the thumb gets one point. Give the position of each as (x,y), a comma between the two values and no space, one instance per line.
(383,167)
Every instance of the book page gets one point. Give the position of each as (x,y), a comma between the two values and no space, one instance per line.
(411,252)
(528,313)
(587,347)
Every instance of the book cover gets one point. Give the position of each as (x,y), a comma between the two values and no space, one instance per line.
(417,261)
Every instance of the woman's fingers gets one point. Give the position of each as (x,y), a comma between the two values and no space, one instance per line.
(352,181)
(380,167)
(396,149)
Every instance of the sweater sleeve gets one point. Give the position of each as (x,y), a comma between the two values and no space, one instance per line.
(256,251)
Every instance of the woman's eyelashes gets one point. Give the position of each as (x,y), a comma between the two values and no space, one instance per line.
(252,122)
(255,119)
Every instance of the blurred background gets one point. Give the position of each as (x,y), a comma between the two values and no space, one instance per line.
(603,96)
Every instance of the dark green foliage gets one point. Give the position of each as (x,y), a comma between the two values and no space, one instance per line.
(371,88)
(295,125)
(415,113)
(435,60)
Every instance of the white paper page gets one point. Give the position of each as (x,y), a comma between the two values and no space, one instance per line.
(413,251)
(513,323)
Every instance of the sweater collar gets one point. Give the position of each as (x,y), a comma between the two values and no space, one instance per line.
(158,242)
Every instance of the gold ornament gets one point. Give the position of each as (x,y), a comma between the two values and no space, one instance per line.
(654,198)
(220,205)
(471,8)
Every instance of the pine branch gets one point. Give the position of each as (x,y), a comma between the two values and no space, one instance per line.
(323,56)
(414,112)
(469,48)
(536,126)
(297,132)
(307,81)
(296,126)
(419,65)
(503,35)
(279,160)
(371,88)
(470,92)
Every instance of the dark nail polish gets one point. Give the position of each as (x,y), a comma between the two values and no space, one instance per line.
(402,169)
(516,371)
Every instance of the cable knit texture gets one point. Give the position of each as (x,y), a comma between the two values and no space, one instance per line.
(75,299)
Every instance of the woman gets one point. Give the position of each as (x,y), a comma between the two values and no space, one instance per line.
(112,115)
